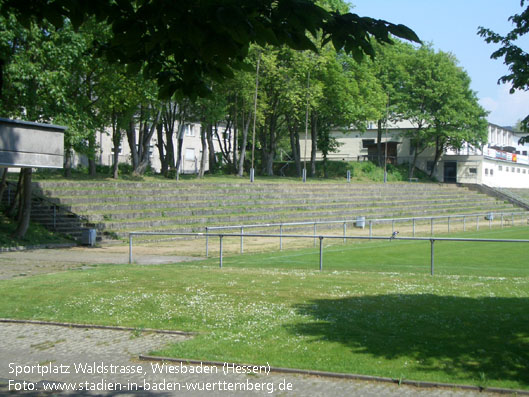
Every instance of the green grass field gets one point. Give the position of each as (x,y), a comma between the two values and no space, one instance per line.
(451,258)
(373,310)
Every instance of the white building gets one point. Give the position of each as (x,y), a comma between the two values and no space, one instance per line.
(499,163)
(191,153)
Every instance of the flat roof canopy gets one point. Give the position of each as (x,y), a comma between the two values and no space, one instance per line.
(27,144)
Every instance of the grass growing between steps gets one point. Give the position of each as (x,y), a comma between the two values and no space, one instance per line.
(36,235)
(361,172)
(468,324)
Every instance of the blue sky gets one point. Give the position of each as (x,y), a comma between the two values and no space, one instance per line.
(451,26)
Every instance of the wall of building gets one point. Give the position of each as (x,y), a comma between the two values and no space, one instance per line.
(491,165)
(191,153)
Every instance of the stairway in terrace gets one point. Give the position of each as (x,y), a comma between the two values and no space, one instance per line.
(117,208)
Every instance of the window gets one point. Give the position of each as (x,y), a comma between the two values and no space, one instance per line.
(189,131)
(486,171)
(512,169)
(367,142)
(473,170)
(491,172)
(523,171)
(518,170)
(190,154)
(506,169)
(500,168)
(524,152)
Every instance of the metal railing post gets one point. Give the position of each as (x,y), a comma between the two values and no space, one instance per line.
(432,241)
(413,233)
(280,237)
(130,248)
(344,232)
(490,221)
(242,239)
(431,226)
(314,233)
(220,260)
(448,224)
(464,223)
(321,253)
(370,229)
(207,242)
(477,222)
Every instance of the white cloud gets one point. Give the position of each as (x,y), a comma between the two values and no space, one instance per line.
(505,108)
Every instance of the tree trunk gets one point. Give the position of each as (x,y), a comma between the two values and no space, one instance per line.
(161,152)
(211,149)
(246,127)
(11,212)
(439,146)
(3,184)
(145,138)
(414,161)
(179,147)
(116,141)
(25,209)
(314,137)
(169,149)
(235,137)
(92,155)
(68,162)
(204,150)
(379,143)
(169,115)
(294,146)
(131,138)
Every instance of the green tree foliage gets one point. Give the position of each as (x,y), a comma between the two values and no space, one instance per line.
(185,44)
(435,96)
(515,57)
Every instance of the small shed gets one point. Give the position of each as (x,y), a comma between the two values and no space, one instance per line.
(26,144)
(391,151)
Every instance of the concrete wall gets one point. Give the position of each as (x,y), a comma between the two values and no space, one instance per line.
(35,145)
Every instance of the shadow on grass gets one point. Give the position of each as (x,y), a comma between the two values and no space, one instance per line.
(478,338)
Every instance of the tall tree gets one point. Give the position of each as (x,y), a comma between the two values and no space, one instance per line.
(440,103)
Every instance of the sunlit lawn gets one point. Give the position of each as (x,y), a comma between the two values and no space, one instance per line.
(373,310)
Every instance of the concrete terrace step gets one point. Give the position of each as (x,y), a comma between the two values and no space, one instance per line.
(200,227)
(201,196)
(201,192)
(113,209)
(264,217)
(120,207)
(139,211)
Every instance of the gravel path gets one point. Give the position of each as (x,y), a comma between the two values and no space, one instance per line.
(46,355)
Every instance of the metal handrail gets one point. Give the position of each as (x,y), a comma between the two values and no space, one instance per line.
(432,241)
(370,222)
(84,220)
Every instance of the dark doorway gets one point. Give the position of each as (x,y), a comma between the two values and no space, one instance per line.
(450,172)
